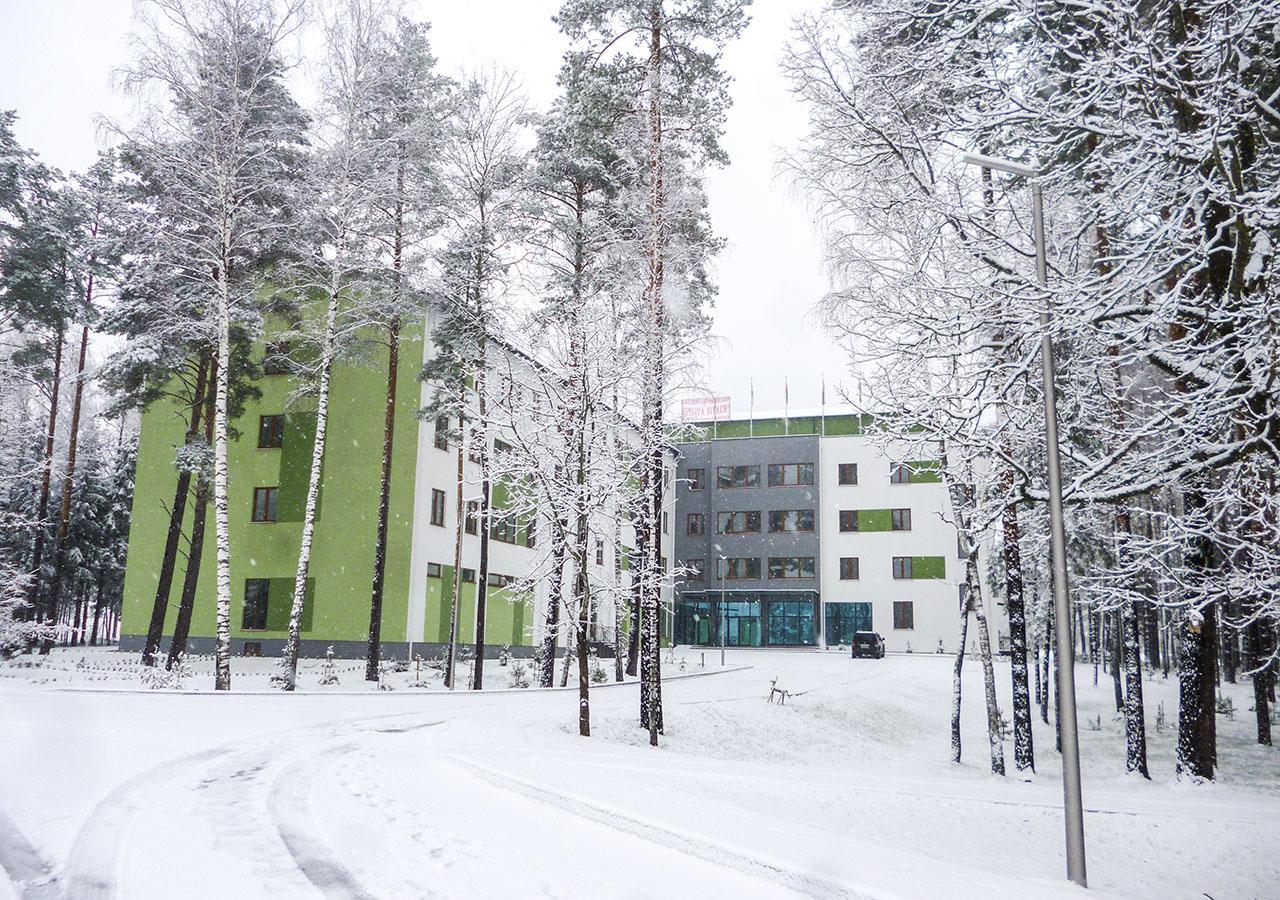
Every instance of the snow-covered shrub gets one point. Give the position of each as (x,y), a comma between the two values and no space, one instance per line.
(16,633)
(518,676)
(157,678)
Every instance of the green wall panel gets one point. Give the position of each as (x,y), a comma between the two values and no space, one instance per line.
(342,553)
(875,520)
(925,471)
(928,567)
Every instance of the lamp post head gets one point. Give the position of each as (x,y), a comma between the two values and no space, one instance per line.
(1000,165)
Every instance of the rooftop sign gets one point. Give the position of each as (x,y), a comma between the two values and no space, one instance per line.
(706,409)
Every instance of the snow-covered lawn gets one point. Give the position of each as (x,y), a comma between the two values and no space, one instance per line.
(845,791)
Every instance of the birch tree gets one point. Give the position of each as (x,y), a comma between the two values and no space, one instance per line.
(225,137)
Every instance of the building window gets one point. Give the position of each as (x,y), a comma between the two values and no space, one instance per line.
(902,567)
(264,504)
(437,507)
(496,580)
(790,474)
(848,520)
(697,479)
(442,433)
(791,567)
(531,534)
(899,473)
(844,620)
(848,568)
(904,615)
(256,594)
(666,523)
(473,517)
(791,623)
(469,575)
(662,565)
(501,446)
(275,360)
(737,476)
(789,520)
(900,519)
(847,473)
(503,530)
(434,570)
(738,522)
(270,432)
(599,552)
(694,569)
(741,568)
(696,524)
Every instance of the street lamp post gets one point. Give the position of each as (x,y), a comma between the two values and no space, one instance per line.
(724,623)
(1071,802)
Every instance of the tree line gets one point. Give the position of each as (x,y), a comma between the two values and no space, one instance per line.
(575,239)
(1154,127)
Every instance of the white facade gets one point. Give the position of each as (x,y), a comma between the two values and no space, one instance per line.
(436,470)
(935,602)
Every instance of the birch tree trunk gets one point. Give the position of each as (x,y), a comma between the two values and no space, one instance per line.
(956,683)
(289,664)
(988,673)
(222,530)
(547,672)
(650,626)
(1023,753)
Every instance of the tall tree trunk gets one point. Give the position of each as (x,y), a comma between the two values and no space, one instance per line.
(1023,754)
(221,515)
(1197,660)
(289,663)
(168,562)
(42,612)
(1116,646)
(451,654)
(956,682)
(988,671)
(1262,675)
(633,610)
(1135,727)
(650,632)
(97,608)
(374,653)
(618,663)
(551,625)
(486,515)
(69,476)
(195,552)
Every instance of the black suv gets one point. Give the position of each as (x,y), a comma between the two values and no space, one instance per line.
(868,643)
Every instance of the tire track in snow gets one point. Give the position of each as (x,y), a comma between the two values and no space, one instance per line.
(289,802)
(93,867)
(680,842)
(24,864)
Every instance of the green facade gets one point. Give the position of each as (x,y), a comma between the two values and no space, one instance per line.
(508,618)
(845,424)
(928,567)
(342,552)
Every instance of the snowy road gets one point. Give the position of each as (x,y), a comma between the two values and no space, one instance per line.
(425,794)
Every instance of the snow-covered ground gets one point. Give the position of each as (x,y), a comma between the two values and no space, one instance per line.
(845,791)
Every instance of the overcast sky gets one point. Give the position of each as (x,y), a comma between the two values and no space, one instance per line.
(56,72)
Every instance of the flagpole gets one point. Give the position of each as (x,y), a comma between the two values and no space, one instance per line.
(786,405)
(751,409)
(824,404)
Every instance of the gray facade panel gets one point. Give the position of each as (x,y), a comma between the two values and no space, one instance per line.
(713,500)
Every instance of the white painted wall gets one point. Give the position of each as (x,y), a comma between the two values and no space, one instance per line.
(936,601)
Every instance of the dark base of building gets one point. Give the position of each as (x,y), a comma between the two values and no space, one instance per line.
(314,649)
